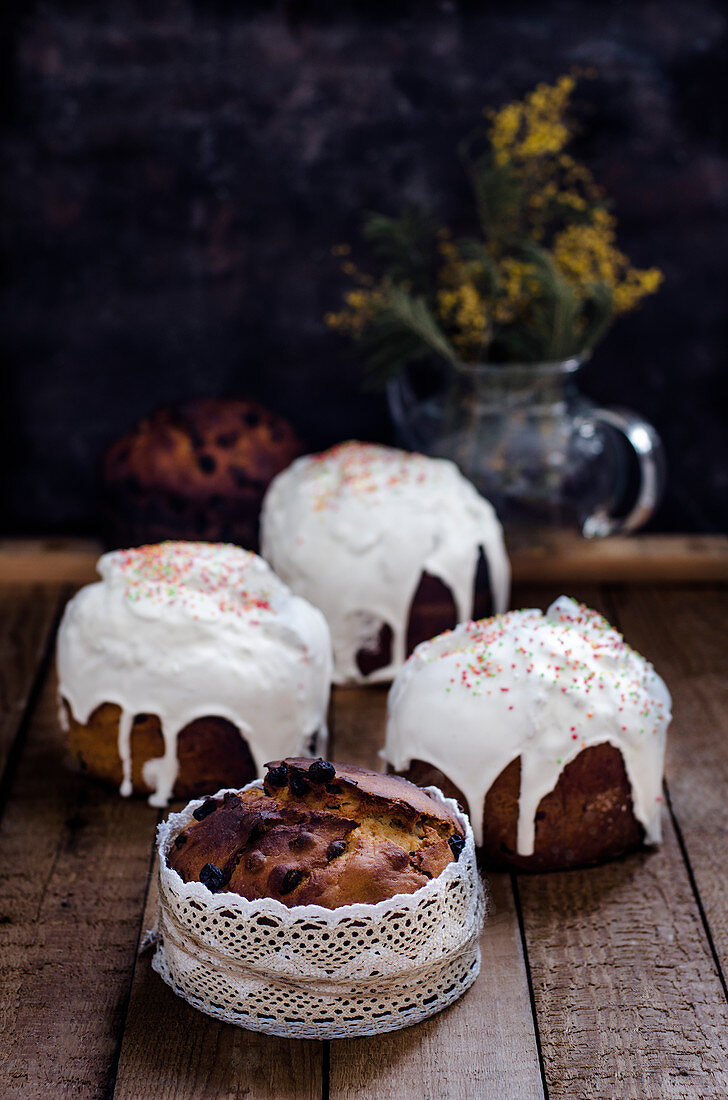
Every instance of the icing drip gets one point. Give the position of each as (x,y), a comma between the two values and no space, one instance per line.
(354,528)
(187,630)
(126,721)
(539,687)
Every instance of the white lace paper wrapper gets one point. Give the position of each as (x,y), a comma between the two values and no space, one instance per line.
(314,973)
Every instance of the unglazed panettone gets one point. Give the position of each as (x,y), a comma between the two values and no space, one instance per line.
(319,833)
(326,902)
(195,471)
(548,728)
(187,666)
(393,547)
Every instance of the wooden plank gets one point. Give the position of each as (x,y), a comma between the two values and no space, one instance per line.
(28,561)
(27,615)
(170,1050)
(686,632)
(358,718)
(628,998)
(648,558)
(484,1045)
(74,859)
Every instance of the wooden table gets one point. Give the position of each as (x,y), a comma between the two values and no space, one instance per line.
(608,982)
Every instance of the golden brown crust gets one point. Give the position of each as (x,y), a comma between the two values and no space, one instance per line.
(210,751)
(368,788)
(198,470)
(586,819)
(319,834)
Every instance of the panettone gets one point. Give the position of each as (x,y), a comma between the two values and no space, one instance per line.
(547,728)
(187,666)
(195,471)
(319,833)
(393,547)
(587,818)
(210,751)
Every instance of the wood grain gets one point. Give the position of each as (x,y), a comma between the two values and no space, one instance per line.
(172,1051)
(73,870)
(685,632)
(628,999)
(27,615)
(484,1045)
(358,717)
(61,560)
(641,558)
(647,558)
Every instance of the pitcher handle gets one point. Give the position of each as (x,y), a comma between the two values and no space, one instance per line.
(647,445)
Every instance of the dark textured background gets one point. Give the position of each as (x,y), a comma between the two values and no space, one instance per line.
(175,174)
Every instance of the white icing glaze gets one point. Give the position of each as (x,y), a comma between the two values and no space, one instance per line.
(187,630)
(353,529)
(542,687)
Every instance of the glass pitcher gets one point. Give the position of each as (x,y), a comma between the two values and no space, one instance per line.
(548,460)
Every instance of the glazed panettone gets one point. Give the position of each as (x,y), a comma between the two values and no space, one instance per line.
(393,547)
(186,666)
(319,833)
(197,471)
(548,728)
(209,751)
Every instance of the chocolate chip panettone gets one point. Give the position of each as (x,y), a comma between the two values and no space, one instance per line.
(198,470)
(325,902)
(319,833)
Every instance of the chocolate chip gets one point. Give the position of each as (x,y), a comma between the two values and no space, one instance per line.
(335,849)
(298,784)
(207,464)
(227,439)
(180,840)
(396,857)
(278,777)
(240,477)
(291,880)
(321,771)
(457,843)
(302,840)
(212,877)
(208,807)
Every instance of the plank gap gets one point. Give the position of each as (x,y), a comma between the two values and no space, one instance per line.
(325,1069)
(72,864)
(483,1045)
(16,745)
(114,1065)
(625,984)
(531,995)
(696,891)
(613,604)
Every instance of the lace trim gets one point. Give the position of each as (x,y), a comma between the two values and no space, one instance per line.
(310,972)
